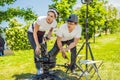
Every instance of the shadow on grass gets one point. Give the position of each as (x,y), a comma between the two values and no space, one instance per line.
(66,76)
(61,74)
(23,76)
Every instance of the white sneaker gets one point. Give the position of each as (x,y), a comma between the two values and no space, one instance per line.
(40,71)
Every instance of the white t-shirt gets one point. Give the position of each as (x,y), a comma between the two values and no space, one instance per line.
(44,26)
(66,35)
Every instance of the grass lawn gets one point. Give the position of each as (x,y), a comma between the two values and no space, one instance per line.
(21,66)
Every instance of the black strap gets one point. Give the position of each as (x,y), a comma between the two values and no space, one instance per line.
(39,33)
(32,26)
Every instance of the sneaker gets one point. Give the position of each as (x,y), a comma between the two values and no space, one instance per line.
(0,53)
(73,71)
(40,71)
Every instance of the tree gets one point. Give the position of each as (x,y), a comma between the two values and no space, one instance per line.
(14,23)
(16,12)
(95,16)
(112,20)
(16,36)
(4,2)
(10,13)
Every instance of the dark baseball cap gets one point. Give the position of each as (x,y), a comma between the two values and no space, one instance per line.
(72,18)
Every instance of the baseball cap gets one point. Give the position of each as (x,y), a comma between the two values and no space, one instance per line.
(72,18)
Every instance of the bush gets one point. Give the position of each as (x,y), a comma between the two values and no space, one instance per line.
(17,38)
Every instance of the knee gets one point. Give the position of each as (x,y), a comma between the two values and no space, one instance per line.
(54,51)
(73,50)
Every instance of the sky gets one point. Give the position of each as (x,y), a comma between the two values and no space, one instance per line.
(115,3)
(40,7)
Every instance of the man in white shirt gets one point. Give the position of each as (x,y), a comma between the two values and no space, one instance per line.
(68,33)
(36,33)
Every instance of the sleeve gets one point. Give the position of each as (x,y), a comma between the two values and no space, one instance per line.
(39,20)
(78,34)
(59,32)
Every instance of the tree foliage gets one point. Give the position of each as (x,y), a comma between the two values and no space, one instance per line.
(16,36)
(96,18)
(99,17)
(64,7)
(4,2)
(17,12)
(112,21)
(7,15)
(14,23)
(97,13)
(10,13)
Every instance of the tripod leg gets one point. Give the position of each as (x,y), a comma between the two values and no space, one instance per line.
(90,51)
(81,48)
(84,73)
(94,65)
(79,67)
(91,54)
(67,70)
(97,72)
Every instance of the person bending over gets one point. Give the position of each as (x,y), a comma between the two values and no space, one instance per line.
(37,30)
(69,34)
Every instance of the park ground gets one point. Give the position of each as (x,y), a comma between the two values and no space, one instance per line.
(20,65)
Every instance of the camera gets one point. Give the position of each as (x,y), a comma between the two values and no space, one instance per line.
(47,62)
(86,1)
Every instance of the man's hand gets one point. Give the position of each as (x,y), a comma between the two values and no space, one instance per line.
(47,37)
(63,53)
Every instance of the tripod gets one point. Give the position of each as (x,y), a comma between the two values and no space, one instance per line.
(88,48)
(86,33)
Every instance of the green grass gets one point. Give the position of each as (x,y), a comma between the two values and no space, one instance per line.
(21,66)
